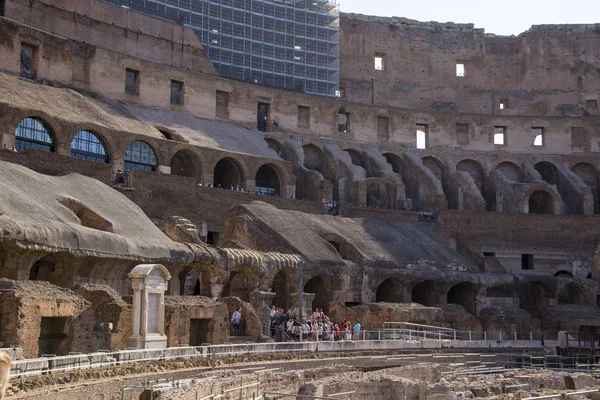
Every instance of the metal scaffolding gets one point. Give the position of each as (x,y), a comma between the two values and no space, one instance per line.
(291,44)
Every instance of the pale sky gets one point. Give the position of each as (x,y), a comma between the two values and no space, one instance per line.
(502,17)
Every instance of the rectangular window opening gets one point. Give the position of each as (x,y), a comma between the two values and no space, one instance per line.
(488,254)
(199,331)
(460,69)
(27,61)
(132,81)
(222,107)
(503,105)
(2,7)
(591,104)
(303,117)
(383,128)
(342,92)
(462,133)
(262,117)
(538,136)
(500,135)
(176,92)
(578,139)
(421,136)
(212,238)
(526,261)
(379,62)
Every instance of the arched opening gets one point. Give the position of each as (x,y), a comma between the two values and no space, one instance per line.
(510,171)
(44,269)
(140,155)
(564,274)
(276,147)
(571,294)
(322,287)
(377,195)
(548,172)
(189,283)
(236,286)
(541,202)
(390,291)
(356,157)
(395,161)
(88,146)
(34,133)
(282,287)
(463,294)
(532,298)
(314,159)
(186,163)
(227,174)
(587,173)
(425,293)
(434,166)
(474,169)
(267,181)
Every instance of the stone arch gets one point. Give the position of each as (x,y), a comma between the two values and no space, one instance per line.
(377,194)
(357,158)
(587,173)
(463,294)
(571,294)
(282,286)
(189,282)
(44,269)
(435,166)
(268,181)
(510,170)
(396,162)
(277,147)
(563,273)
(474,169)
(541,202)
(347,251)
(186,162)
(548,171)
(532,298)
(91,146)
(237,286)
(390,290)
(228,172)
(314,159)
(322,287)
(140,155)
(425,293)
(34,132)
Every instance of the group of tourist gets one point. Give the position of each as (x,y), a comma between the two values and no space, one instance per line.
(286,326)
(237,188)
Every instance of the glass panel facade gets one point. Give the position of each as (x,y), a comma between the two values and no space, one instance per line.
(139,155)
(87,146)
(34,133)
(292,44)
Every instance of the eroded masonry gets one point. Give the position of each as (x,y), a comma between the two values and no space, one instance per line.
(464,166)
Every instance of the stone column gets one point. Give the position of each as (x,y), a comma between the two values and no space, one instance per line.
(307,300)
(137,307)
(261,301)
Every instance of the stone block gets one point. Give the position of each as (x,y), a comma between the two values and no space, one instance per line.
(28,365)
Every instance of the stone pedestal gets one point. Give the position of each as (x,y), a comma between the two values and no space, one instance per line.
(149,282)
(307,300)
(261,301)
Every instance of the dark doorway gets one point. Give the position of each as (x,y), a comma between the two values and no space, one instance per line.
(532,298)
(262,117)
(43,269)
(321,286)
(425,293)
(282,287)
(53,336)
(2,7)
(199,331)
(236,287)
(463,294)
(390,291)
(540,202)
(267,181)
(227,175)
(186,163)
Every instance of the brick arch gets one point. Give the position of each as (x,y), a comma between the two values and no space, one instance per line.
(509,168)
(474,168)
(238,163)
(281,175)
(102,133)
(186,154)
(553,208)
(161,157)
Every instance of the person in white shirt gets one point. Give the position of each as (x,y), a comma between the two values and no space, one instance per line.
(236,320)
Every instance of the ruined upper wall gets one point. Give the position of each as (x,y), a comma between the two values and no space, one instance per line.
(544,71)
(113,28)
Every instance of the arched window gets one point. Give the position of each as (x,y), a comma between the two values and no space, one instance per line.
(34,133)
(139,155)
(88,146)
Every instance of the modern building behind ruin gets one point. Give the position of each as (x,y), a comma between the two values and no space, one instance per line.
(466,166)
